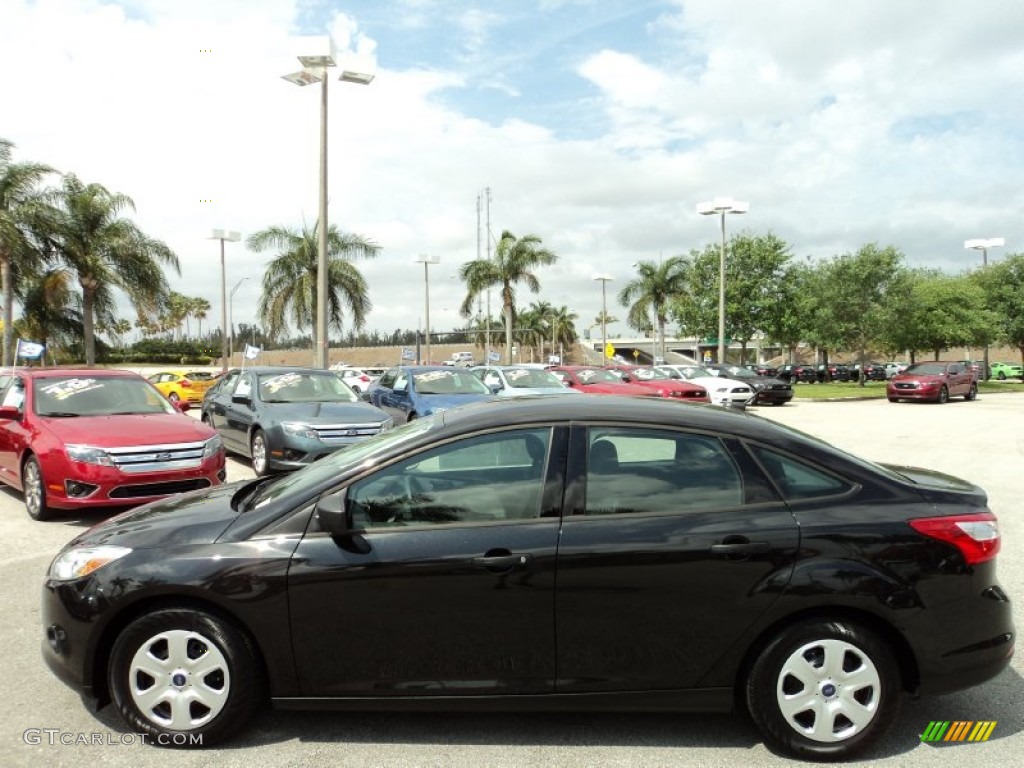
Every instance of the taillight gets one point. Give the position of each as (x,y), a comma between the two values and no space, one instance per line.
(185,383)
(976,536)
(365,379)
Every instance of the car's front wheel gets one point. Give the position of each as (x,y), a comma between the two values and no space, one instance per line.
(185,678)
(972,393)
(824,690)
(258,451)
(35,490)
(1001,376)
(943,395)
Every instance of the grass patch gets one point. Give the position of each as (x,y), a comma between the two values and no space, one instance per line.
(872,389)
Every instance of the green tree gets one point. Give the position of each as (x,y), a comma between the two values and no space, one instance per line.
(52,310)
(21,205)
(649,295)
(289,292)
(1003,283)
(562,328)
(514,262)
(106,252)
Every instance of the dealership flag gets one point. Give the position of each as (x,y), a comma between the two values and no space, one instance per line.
(251,352)
(30,350)
(408,354)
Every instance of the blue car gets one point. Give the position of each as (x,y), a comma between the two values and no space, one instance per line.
(411,391)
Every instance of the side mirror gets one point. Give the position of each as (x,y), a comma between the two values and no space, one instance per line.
(244,399)
(331,510)
(495,388)
(182,405)
(9,412)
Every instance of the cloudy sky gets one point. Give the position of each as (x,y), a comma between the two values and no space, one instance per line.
(597,125)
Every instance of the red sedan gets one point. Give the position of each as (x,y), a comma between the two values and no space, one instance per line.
(597,381)
(73,439)
(933,380)
(659,381)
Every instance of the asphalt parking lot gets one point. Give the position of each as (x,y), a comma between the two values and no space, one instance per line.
(44,723)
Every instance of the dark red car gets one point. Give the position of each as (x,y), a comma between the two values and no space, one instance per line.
(597,381)
(933,380)
(73,439)
(661,382)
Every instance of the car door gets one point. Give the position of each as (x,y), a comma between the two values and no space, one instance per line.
(959,378)
(396,400)
(672,546)
(239,411)
(13,434)
(448,586)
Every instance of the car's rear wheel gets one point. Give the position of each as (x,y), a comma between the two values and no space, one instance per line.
(943,395)
(173,397)
(35,490)
(972,393)
(1001,376)
(258,452)
(184,677)
(824,690)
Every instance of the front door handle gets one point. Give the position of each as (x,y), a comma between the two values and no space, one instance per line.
(502,562)
(742,548)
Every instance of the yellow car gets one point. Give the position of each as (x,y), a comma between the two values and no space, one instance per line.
(182,384)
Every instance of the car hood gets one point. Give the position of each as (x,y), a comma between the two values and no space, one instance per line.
(517,391)
(444,402)
(610,388)
(199,517)
(712,383)
(133,429)
(324,413)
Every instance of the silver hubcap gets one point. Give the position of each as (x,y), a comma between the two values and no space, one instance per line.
(33,488)
(828,691)
(179,680)
(259,454)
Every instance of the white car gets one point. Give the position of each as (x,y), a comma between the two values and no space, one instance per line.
(729,393)
(359,379)
(516,380)
(893,368)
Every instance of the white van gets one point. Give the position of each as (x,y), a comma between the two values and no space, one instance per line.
(462,358)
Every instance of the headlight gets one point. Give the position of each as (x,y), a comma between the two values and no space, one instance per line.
(297,429)
(387,426)
(213,446)
(89,454)
(79,562)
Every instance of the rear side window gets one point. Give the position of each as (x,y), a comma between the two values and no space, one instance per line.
(797,481)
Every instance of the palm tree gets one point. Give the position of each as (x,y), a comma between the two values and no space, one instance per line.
(652,291)
(513,262)
(290,281)
(199,309)
(52,310)
(106,252)
(562,327)
(20,205)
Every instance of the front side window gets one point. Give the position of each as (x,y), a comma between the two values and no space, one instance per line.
(490,478)
(656,471)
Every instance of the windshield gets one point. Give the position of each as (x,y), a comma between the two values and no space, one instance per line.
(70,396)
(522,378)
(649,374)
(740,373)
(927,369)
(449,382)
(362,453)
(304,387)
(596,376)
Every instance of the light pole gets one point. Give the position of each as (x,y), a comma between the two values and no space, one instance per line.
(604,278)
(721,206)
(231,317)
(231,237)
(983,244)
(314,70)
(426,261)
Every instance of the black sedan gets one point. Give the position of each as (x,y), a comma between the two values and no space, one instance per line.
(286,418)
(538,553)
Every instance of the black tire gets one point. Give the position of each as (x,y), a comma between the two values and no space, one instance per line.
(943,395)
(857,658)
(34,488)
(894,399)
(225,696)
(173,397)
(411,416)
(258,452)
(972,393)
(1001,376)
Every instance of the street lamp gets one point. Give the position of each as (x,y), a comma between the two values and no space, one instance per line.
(721,206)
(983,244)
(604,278)
(231,317)
(231,237)
(314,70)
(426,261)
